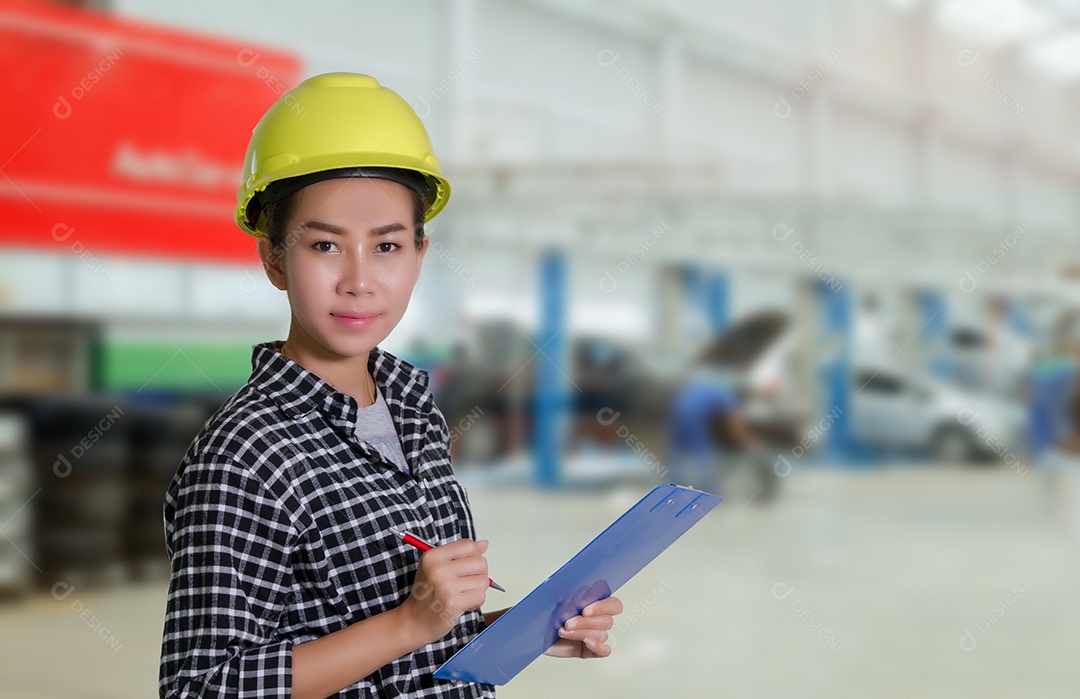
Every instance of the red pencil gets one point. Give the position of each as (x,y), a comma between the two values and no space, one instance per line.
(425,546)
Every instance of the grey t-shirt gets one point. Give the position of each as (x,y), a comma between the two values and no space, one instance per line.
(375,426)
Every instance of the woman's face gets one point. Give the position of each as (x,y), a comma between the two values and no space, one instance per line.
(349,265)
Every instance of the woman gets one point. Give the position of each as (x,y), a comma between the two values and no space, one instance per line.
(286,579)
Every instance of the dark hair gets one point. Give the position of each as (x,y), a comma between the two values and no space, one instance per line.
(279,213)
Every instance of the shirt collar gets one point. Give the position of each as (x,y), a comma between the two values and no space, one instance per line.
(299,391)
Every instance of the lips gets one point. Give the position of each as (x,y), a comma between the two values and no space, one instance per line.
(354,316)
(355,319)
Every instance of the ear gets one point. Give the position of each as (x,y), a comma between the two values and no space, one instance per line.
(272,263)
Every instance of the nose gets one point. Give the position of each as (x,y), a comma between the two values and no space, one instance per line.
(355,275)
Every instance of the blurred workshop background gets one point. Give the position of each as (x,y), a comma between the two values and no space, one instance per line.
(821,257)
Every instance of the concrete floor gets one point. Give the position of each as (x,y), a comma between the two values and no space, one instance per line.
(894,582)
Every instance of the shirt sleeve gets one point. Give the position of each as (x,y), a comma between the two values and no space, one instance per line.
(229,542)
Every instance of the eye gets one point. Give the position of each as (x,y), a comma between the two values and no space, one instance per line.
(382,247)
(322,246)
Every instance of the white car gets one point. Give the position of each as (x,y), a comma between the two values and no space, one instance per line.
(909,411)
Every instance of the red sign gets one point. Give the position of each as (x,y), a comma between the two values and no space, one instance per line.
(126,137)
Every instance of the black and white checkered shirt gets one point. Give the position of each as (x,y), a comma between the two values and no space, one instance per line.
(278,527)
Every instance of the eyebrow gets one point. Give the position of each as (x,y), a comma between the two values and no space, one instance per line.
(338,230)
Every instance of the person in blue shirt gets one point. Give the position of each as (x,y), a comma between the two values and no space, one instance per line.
(1051,392)
(704,423)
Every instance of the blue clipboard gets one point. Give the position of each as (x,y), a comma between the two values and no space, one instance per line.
(618,553)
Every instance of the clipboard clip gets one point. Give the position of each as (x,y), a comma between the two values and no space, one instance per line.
(691,507)
(670,500)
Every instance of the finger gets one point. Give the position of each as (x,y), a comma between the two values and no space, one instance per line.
(592,622)
(583,596)
(475,599)
(609,605)
(473,584)
(458,567)
(569,606)
(564,649)
(582,634)
(598,649)
(462,548)
(465,567)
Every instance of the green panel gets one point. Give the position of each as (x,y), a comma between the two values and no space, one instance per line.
(123,365)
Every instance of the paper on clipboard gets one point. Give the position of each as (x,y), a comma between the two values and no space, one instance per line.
(618,553)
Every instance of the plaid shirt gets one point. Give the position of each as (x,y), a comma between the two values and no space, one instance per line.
(277,525)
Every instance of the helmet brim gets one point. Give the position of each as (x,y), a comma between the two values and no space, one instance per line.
(280,189)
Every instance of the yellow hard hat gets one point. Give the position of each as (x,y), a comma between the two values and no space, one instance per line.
(336,125)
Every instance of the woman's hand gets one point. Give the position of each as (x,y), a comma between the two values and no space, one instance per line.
(584,635)
(450,580)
